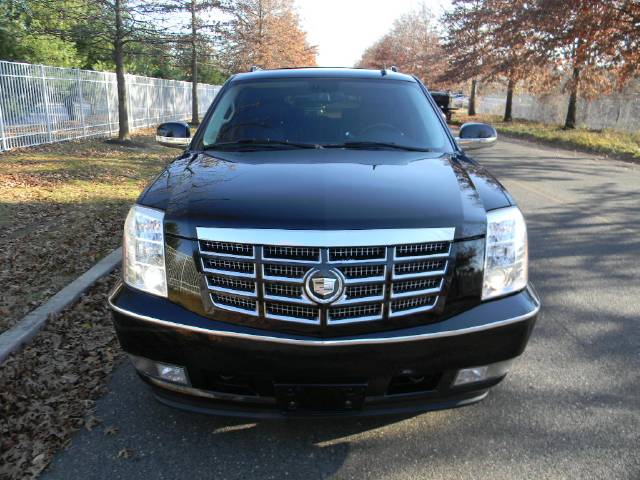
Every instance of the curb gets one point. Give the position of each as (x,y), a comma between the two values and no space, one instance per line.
(27,328)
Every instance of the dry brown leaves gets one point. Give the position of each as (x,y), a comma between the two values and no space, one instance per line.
(48,389)
(62,209)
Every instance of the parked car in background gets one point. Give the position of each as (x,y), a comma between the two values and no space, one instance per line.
(324,246)
(445,103)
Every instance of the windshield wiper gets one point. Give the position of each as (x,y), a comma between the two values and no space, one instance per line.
(265,142)
(369,145)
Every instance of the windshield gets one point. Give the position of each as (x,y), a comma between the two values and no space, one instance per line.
(324,113)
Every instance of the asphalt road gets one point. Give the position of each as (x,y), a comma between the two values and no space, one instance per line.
(569,409)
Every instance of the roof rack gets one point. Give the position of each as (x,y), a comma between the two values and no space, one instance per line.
(383,70)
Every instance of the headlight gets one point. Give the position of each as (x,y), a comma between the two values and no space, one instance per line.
(506,257)
(143,245)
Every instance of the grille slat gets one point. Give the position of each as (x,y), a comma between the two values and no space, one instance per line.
(226,248)
(414,303)
(363,271)
(236,303)
(231,283)
(292,253)
(267,280)
(283,290)
(274,309)
(422,249)
(410,286)
(286,271)
(425,266)
(363,291)
(368,311)
(346,254)
(233,266)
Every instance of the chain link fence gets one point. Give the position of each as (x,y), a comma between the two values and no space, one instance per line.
(41,104)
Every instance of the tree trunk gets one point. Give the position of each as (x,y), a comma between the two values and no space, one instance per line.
(570,122)
(195,117)
(509,105)
(472,98)
(118,57)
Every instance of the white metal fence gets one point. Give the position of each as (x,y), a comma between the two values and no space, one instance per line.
(41,104)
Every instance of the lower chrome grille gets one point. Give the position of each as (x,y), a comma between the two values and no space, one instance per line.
(355,313)
(235,303)
(410,304)
(285,311)
(277,282)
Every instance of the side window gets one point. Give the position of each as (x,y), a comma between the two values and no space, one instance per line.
(223,113)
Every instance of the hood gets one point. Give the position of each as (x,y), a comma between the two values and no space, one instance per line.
(318,190)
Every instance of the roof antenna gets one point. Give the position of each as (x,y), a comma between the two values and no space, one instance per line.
(394,68)
(255,68)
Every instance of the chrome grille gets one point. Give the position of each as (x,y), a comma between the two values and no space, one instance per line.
(341,254)
(218,282)
(363,291)
(363,271)
(292,253)
(232,266)
(282,290)
(285,271)
(234,303)
(412,304)
(361,313)
(417,268)
(422,249)
(227,248)
(381,281)
(285,311)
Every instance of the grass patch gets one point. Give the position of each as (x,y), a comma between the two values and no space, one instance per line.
(609,142)
(62,207)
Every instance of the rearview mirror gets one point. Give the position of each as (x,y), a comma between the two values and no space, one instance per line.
(174,134)
(476,135)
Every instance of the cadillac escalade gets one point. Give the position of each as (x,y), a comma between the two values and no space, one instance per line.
(324,246)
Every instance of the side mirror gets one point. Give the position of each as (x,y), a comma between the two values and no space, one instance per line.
(174,134)
(476,135)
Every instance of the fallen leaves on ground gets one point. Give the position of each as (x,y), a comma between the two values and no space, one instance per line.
(62,208)
(48,389)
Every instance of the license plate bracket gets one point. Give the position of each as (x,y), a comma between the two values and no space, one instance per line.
(320,398)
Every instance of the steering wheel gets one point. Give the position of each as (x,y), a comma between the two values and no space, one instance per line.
(381,125)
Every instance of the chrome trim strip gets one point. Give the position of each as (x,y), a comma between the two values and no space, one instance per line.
(223,306)
(268,278)
(410,276)
(227,255)
(239,293)
(325,238)
(354,320)
(357,300)
(283,318)
(182,141)
(321,343)
(411,311)
(417,293)
(296,300)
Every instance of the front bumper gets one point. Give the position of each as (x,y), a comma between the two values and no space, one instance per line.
(246,371)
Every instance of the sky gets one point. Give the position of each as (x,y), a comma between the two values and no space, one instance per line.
(342,29)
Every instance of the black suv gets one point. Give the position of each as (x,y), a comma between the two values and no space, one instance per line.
(324,246)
